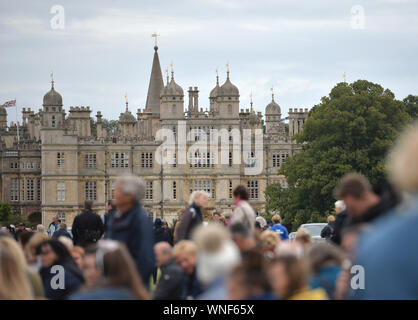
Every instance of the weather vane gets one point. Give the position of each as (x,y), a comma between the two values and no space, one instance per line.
(155,35)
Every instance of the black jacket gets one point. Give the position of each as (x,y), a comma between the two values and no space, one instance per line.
(134,229)
(170,285)
(72,282)
(328,230)
(190,219)
(87,228)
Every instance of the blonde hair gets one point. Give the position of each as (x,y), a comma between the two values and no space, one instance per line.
(331,219)
(187,246)
(33,243)
(276,219)
(14,280)
(270,239)
(403,160)
(303,236)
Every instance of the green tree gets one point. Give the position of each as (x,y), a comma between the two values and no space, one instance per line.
(411,103)
(110,125)
(7,217)
(350,130)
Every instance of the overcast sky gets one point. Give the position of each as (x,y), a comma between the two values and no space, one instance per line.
(299,47)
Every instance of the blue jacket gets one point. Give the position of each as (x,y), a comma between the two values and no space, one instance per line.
(281,231)
(134,229)
(326,279)
(388,255)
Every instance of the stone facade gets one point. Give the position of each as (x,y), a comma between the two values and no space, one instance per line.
(59,161)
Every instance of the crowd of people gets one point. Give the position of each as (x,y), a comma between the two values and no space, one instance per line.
(124,255)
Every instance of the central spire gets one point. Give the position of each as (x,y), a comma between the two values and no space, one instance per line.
(156,84)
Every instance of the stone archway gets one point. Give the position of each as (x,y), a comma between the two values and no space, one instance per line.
(35,217)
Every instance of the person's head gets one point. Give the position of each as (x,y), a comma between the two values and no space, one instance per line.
(357,194)
(216,215)
(185,253)
(158,223)
(129,192)
(110,205)
(261,221)
(242,236)
(113,267)
(240,193)
(66,242)
(199,198)
(78,254)
(163,253)
(270,240)
(21,226)
(88,205)
(217,253)
(324,254)
(24,237)
(13,274)
(32,245)
(249,279)
(303,237)
(63,226)
(339,206)
(55,219)
(330,219)
(52,252)
(288,274)
(40,228)
(403,161)
(276,219)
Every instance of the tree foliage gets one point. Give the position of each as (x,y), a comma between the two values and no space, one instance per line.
(350,130)
(411,104)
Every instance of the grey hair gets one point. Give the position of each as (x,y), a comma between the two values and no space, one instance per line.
(132,185)
(197,194)
(340,204)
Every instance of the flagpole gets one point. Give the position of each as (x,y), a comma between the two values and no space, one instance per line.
(17,126)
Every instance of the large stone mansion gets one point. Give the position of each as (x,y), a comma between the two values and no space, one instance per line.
(58,161)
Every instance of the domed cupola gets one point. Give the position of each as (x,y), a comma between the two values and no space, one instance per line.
(228,89)
(215,91)
(273,108)
(52,98)
(172,88)
(127,116)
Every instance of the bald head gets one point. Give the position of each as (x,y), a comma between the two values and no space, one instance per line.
(163,253)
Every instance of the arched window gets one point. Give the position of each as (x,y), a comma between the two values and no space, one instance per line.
(173,109)
(230,108)
(53,122)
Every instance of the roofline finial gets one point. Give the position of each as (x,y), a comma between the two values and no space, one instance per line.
(166,72)
(52,80)
(227,70)
(272,93)
(172,71)
(126,98)
(217,77)
(251,101)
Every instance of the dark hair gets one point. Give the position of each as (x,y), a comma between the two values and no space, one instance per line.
(252,273)
(240,229)
(241,192)
(58,247)
(112,204)
(88,205)
(297,272)
(353,184)
(24,237)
